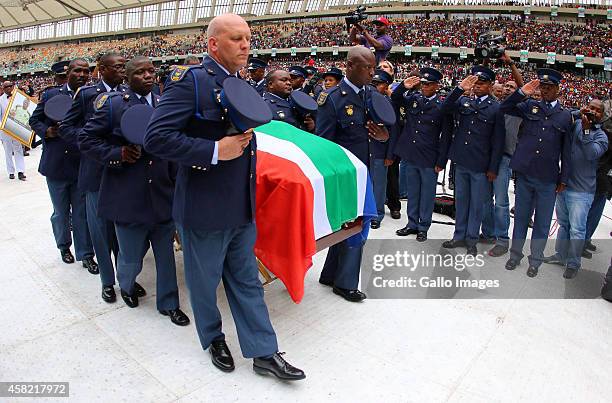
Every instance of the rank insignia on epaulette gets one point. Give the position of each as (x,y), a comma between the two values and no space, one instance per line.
(322,98)
(178,73)
(535,110)
(126,97)
(349,110)
(101,100)
(281,114)
(98,89)
(467,104)
(414,104)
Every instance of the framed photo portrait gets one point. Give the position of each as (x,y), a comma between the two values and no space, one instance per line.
(16,117)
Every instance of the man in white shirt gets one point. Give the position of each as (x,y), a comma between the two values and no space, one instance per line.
(12,148)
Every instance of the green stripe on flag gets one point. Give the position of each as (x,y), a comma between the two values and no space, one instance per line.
(339,173)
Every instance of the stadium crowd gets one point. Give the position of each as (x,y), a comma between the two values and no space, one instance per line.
(589,39)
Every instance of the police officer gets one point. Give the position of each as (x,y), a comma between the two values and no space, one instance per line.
(278,84)
(381,152)
(136,191)
(257,73)
(342,119)
(312,85)
(111,67)
(543,139)
(298,76)
(59,163)
(476,148)
(215,199)
(420,146)
(332,77)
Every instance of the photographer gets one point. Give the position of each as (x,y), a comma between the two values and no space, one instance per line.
(381,43)
(588,142)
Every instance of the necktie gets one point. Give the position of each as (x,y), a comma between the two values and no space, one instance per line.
(361,94)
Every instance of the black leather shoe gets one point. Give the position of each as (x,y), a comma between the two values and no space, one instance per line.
(396,214)
(278,367)
(21,176)
(586,254)
(138,290)
(67,256)
(350,295)
(91,265)
(590,246)
(108,294)
(221,356)
(11,176)
(511,264)
(472,250)
(130,300)
(570,273)
(454,243)
(498,251)
(374,224)
(329,283)
(421,236)
(532,271)
(177,316)
(406,231)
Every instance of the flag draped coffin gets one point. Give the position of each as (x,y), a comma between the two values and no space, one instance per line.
(307,187)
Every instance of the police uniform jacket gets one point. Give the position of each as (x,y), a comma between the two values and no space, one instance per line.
(260,88)
(342,118)
(545,136)
(426,124)
(478,140)
(184,129)
(281,109)
(59,159)
(138,193)
(90,171)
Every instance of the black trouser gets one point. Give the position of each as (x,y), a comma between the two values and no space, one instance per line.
(393,201)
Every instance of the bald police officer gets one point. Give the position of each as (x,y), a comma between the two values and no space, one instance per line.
(214,200)
(342,119)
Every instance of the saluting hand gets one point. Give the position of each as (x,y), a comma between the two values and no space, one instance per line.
(377,132)
(130,153)
(530,88)
(232,147)
(411,82)
(467,83)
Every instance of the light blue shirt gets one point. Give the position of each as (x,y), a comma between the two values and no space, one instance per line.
(148,97)
(353,86)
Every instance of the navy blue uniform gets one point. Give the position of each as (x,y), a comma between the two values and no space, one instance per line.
(282,110)
(476,147)
(136,197)
(213,207)
(259,87)
(59,163)
(101,230)
(341,118)
(544,139)
(420,146)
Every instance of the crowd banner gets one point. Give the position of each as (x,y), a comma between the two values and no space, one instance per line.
(524,56)
(335,50)
(607,63)
(527,10)
(273,52)
(551,57)
(581,12)
(254,52)
(313,50)
(408,50)
(434,51)
(293,51)
(610,13)
(580,61)
(463,52)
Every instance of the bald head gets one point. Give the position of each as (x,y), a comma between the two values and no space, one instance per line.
(360,64)
(229,41)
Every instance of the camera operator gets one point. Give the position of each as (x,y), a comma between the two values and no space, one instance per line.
(381,43)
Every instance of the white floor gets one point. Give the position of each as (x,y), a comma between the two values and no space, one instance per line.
(55,327)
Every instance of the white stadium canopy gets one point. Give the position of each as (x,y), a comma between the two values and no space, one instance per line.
(30,20)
